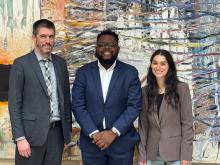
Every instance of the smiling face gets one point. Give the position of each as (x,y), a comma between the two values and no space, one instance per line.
(107,50)
(44,41)
(160,67)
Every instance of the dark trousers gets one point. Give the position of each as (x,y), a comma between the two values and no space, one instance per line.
(48,154)
(107,158)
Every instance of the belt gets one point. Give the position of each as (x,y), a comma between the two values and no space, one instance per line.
(55,124)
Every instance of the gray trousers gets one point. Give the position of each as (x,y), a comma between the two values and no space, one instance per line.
(48,154)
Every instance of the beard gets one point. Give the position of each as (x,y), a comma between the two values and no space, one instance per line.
(44,48)
(106,61)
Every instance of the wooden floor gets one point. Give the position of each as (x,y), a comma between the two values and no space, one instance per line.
(75,162)
(11,162)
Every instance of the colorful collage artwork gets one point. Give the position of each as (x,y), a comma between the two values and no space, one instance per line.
(16,18)
(190,29)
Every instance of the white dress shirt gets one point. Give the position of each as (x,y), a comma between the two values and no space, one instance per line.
(105,76)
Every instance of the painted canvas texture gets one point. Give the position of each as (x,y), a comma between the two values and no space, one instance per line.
(16,19)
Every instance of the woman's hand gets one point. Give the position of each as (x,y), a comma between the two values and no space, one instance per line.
(142,163)
(184,162)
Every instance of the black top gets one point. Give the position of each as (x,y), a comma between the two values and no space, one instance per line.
(159,102)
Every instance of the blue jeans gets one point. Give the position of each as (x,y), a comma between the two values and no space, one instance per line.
(160,161)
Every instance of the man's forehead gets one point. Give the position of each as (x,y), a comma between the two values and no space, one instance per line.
(45,29)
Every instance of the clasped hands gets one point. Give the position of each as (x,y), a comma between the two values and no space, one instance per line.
(103,139)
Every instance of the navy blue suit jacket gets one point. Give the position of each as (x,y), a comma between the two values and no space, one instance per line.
(121,108)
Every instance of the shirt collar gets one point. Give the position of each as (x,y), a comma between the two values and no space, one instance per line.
(103,68)
(40,58)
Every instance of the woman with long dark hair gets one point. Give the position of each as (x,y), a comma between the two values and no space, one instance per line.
(165,123)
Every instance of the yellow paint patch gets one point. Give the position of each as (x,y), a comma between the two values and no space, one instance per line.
(4,57)
(3,108)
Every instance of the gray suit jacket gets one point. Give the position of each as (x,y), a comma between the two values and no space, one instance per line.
(29,105)
(172,132)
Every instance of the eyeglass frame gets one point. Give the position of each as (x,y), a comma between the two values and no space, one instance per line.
(107,44)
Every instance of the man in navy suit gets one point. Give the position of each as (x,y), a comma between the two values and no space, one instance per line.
(106,99)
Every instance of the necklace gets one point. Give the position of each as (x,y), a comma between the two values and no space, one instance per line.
(161,91)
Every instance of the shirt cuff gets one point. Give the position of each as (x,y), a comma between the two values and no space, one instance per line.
(116,131)
(90,135)
(20,138)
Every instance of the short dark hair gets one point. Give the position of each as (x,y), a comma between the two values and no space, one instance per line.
(43,23)
(108,32)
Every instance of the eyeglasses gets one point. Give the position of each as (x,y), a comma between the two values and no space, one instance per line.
(107,44)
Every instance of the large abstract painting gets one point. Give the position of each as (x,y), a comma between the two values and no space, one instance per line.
(189,29)
(16,18)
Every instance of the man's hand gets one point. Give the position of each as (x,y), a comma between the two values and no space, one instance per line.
(96,137)
(24,148)
(107,137)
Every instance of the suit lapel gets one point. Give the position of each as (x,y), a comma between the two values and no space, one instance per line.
(114,78)
(162,108)
(97,80)
(161,111)
(156,115)
(57,74)
(36,67)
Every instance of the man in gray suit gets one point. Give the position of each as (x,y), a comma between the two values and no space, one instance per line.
(39,101)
